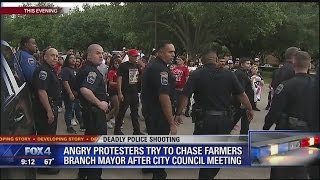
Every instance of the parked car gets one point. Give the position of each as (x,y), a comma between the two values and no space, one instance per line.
(16,107)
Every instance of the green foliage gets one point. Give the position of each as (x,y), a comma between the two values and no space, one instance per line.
(242,28)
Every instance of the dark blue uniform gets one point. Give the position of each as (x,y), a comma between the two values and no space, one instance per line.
(28,64)
(285,72)
(292,109)
(94,118)
(292,98)
(46,79)
(212,88)
(157,79)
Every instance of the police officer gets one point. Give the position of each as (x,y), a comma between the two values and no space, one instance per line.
(46,85)
(27,61)
(286,71)
(93,98)
(157,97)
(212,87)
(128,87)
(291,109)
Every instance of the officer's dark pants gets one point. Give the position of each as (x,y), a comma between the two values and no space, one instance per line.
(177,94)
(77,112)
(131,100)
(289,173)
(41,119)
(241,114)
(313,168)
(156,124)
(60,98)
(213,125)
(68,114)
(95,123)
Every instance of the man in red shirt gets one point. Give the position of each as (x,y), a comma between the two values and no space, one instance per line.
(181,72)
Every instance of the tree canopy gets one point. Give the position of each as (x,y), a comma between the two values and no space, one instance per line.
(244,28)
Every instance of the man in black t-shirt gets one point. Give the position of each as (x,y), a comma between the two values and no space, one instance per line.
(128,86)
(245,82)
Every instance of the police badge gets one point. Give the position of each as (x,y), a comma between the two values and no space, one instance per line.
(164,78)
(43,75)
(91,78)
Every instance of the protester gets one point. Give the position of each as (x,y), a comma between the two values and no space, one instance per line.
(257,84)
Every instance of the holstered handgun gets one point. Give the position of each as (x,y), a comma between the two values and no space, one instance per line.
(282,123)
(297,124)
(197,117)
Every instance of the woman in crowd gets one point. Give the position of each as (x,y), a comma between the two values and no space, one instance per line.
(57,68)
(68,74)
(113,87)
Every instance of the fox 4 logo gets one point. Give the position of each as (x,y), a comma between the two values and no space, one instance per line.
(37,151)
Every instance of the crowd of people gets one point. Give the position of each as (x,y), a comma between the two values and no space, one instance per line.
(98,87)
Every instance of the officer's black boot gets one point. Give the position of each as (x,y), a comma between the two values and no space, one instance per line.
(159,174)
(147,170)
(50,171)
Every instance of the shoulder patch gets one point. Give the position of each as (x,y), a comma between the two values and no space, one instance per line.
(91,78)
(164,78)
(43,75)
(30,60)
(279,89)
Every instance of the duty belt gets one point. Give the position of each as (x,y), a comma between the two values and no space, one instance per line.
(216,113)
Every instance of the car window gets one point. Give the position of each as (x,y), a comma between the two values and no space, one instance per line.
(6,89)
(13,64)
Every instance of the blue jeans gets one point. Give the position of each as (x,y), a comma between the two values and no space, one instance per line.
(77,111)
(68,104)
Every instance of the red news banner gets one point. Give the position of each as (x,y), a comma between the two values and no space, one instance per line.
(48,139)
(31,10)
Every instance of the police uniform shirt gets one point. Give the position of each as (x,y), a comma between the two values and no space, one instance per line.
(28,64)
(285,72)
(212,87)
(157,79)
(130,77)
(68,74)
(292,97)
(46,79)
(90,77)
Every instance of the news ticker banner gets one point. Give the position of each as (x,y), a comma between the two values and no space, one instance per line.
(123,151)
(33,10)
(265,148)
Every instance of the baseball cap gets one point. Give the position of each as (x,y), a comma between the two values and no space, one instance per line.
(256,59)
(230,62)
(133,52)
